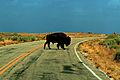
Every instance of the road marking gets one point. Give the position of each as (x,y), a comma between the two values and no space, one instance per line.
(84,63)
(14,61)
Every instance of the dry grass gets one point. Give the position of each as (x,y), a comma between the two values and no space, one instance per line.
(102,58)
(8,42)
(82,35)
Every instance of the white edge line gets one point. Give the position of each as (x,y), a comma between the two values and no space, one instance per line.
(84,63)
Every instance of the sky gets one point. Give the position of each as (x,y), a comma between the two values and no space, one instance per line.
(97,16)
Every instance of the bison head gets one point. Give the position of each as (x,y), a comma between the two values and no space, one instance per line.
(67,41)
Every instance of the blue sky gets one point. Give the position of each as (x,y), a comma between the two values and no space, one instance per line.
(98,16)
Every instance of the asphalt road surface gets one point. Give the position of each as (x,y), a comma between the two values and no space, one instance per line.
(54,64)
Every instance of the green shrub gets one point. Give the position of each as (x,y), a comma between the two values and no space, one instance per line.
(90,33)
(111,41)
(112,36)
(9,34)
(33,38)
(117,39)
(114,46)
(24,39)
(108,42)
(14,38)
(117,55)
(28,38)
(1,39)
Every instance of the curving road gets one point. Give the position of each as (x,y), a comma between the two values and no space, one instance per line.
(55,65)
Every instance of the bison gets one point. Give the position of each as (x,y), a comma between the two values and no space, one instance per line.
(59,38)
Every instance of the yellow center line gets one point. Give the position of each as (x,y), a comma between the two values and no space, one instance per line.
(15,60)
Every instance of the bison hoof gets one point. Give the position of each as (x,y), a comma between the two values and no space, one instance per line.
(63,48)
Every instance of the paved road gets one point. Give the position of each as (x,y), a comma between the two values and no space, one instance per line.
(53,65)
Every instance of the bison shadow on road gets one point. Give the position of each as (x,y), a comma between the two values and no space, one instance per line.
(56,49)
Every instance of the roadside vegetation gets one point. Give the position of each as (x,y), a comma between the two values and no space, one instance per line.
(7,38)
(23,38)
(104,54)
(1,39)
(113,42)
(17,37)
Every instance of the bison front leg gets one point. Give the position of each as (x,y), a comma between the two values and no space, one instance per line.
(45,45)
(49,45)
(62,46)
(58,46)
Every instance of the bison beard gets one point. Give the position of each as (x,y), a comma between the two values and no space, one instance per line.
(59,38)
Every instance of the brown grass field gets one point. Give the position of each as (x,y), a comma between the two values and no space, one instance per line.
(101,57)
